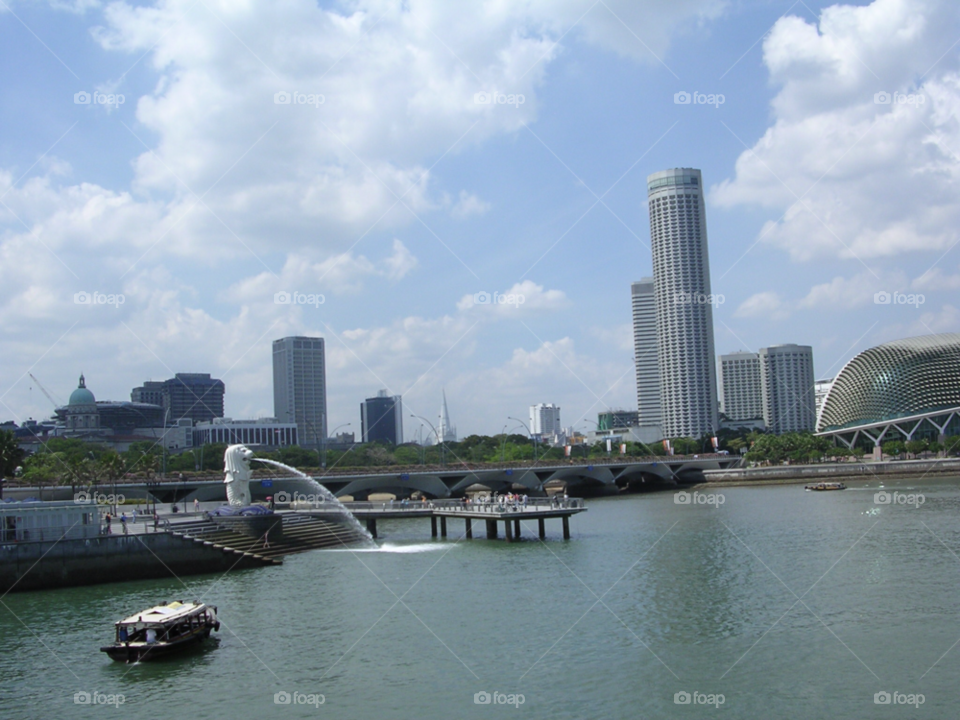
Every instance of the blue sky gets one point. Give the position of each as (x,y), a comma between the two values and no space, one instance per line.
(399,196)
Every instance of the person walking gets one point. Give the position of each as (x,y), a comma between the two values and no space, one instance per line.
(107,520)
(123,523)
(196,505)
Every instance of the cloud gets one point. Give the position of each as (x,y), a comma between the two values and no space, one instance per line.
(767,305)
(522,297)
(468,205)
(855,177)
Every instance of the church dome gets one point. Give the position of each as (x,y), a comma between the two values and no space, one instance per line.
(82,396)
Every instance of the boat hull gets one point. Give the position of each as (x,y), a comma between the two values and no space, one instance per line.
(124,652)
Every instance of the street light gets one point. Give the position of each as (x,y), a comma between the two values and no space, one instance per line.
(532,436)
(323,465)
(439,439)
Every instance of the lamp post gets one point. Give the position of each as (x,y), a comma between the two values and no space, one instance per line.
(503,443)
(323,465)
(532,436)
(439,439)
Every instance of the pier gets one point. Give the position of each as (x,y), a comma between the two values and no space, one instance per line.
(510,513)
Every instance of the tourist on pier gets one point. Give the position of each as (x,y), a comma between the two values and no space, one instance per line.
(107,520)
(123,522)
(196,504)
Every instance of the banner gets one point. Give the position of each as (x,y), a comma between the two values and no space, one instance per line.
(716,445)
(566,450)
(608,445)
(623,448)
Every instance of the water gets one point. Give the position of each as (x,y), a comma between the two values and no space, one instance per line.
(324,497)
(693,598)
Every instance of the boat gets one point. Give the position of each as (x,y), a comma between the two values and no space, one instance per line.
(824,486)
(162,630)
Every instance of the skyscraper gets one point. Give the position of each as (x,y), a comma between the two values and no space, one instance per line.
(645,351)
(446,431)
(193,395)
(545,419)
(300,386)
(381,419)
(741,397)
(787,383)
(684,303)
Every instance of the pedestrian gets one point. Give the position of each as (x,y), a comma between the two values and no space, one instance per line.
(123,522)
(196,505)
(108,520)
(134,515)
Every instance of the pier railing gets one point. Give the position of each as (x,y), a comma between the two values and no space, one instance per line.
(495,505)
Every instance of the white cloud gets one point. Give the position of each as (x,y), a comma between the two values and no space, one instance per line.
(762,305)
(468,205)
(522,297)
(936,279)
(855,178)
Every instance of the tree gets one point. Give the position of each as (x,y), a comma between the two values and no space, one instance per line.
(893,448)
(915,447)
(11,454)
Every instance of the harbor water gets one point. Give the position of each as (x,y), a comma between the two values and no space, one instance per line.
(744,602)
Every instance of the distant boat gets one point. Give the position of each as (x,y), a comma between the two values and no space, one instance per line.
(162,630)
(824,486)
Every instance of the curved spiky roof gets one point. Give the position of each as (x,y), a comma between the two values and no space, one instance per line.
(893,380)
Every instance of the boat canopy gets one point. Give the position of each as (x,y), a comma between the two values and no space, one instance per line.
(163,614)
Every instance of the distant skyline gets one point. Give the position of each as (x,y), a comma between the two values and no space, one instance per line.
(453,194)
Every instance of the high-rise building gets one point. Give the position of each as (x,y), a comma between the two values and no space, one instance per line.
(617,419)
(300,386)
(787,384)
(741,397)
(446,431)
(545,419)
(645,351)
(150,392)
(684,303)
(821,390)
(196,396)
(381,419)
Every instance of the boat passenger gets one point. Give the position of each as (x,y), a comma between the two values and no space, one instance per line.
(151,635)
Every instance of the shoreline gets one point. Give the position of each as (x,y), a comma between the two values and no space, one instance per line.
(810,474)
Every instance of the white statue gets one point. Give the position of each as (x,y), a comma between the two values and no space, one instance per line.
(236,465)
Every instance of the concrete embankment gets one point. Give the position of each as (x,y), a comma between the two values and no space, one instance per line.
(803,474)
(110,558)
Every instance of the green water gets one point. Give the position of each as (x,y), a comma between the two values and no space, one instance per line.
(649,598)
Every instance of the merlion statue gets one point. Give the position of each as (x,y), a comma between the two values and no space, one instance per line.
(236,466)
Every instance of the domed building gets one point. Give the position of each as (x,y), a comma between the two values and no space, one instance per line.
(81,414)
(902,390)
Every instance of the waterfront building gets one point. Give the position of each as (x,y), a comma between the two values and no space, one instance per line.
(150,392)
(644,307)
(616,419)
(300,386)
(820,390)
(545,420)
(684,303)
(263,432)
(381,419)
(902,390)
(786,381)
(741,397)
(195,396)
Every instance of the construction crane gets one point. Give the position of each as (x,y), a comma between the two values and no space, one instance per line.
(44,391)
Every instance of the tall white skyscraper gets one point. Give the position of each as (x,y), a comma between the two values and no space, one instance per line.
(645,351)
(681,274)
(300,386)
(741,397)
(545,419)
(787,383)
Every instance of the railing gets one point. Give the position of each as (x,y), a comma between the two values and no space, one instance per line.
(47,534)
(483,505)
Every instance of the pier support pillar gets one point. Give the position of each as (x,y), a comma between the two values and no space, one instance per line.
(516,529)
(372,526)
(443,526)
(543,528)
(566,527)
(508,527)
(469,528)
(491,529)
(433,526)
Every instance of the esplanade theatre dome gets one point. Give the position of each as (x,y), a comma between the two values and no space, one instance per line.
(900,379)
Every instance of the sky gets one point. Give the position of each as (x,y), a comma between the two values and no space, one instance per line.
(184,181)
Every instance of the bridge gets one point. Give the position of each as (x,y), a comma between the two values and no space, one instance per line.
(601,476)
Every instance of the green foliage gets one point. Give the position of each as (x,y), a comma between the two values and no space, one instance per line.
(893,448)
(795,447)
(11,456)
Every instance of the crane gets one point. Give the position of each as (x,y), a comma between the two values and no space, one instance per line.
(44,391)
